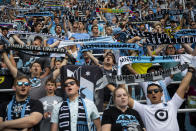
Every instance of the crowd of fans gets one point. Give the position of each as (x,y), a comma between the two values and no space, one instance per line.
(80,19)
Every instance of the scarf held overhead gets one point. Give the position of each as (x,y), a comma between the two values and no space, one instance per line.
(154,76)
(145,59)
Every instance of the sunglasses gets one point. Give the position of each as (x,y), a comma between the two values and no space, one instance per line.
(23,83)
(155,91)
(71,83)
(171,48)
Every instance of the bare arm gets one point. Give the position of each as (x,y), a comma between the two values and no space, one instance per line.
(129,67)
(184,84)
(103,18)
(70,26)
(95,60)
(46,72)
(52,62)
(134,39)
(187,48)
(56,43)
(54,127)
(11,67)
(106,127)
(18,40)
(12,60)
(64,25)
(97,123)
(57,71)
(50,24)
(159,49)
(194,52)
(111,87)
(182,21)
(25,122)
(156,51)
(131,102)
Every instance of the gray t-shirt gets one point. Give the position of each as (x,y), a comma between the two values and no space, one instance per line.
(37,86)
(48,103)
(31,38)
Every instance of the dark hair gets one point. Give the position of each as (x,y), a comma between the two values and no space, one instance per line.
(156,68)
(36,24)
(94,26)
(57,18)
(34,63)
(72,78)
(57,25)
(50,79)
(154,84)
(38,38)
(20,78)
(168,47)
(113,56)
(4,28)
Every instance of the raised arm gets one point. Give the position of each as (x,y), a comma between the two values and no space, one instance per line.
(50,23)
(103,18)
(156,51)
(18,40)
(95,60)
(187,48)
(55,44)
(65,25)
(11,67)
(57,71)
(194,52)
(184,85)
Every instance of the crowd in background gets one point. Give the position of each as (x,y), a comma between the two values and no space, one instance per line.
(81,20)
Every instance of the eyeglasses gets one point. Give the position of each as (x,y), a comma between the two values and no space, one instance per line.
(193,24)
(71,83)
(23,83)
(154,90)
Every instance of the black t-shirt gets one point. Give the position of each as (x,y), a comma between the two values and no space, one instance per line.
(6,79)
(32,106)
(107,92)
(6,82)
(129,120)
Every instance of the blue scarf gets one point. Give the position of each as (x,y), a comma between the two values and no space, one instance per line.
(13,103)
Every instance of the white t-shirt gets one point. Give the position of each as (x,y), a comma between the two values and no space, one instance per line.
(160,117)
(92,113)
(162,83)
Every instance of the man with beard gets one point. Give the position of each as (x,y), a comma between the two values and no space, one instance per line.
(22,112)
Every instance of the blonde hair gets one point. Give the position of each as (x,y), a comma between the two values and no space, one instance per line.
(116,89)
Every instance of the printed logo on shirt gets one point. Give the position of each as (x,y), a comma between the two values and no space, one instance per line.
(128,122)
(49,105)
(35,82)
(161,115)
(2,79)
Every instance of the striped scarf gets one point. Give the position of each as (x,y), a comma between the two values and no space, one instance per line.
(64,116)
